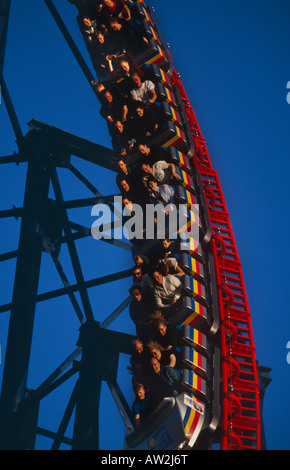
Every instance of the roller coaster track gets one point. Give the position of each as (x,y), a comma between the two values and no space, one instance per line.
(241,422)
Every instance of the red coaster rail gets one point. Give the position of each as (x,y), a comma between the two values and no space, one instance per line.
(241,421)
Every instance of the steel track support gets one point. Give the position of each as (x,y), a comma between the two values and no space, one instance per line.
(100,355)
(4,21)
(86,426)
(25,293)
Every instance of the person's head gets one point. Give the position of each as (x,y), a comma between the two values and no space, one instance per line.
(136,79)
(161,327)
(125,186)
(155,349)
(136,294)
(139,390)
(158,278)
(146,168)
(163,268)
(124,64)
(137,273)
(119,126)
(138,260)
(166,243)
(108,3)
(108,96)
(137,346)
(115,24)
(155,365)
(139,109)
(122,165)
(143,149)
(128,204)
(152,184)
(155,352)
(87,21)
(100,37)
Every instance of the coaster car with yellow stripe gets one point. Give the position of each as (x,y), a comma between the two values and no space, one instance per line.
(193,314)
(195,384)
(153,54)
(192,267)
(185,196)
(158,75)
(174,425)
(194,338)
(140,12)
(150,32)
(165,94)
(171,135)
(185,180)
(193,360)
(193,247)
(195,289)
(168,113)
(179,159)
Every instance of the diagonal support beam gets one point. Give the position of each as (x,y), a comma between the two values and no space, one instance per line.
(11,110)
(75,287)
(66,418)
(72,248)
(91,201)
(122,405)
(92,188)
(43,389)
(86,232)
(116,312)
(9,255)
(67,285)
(89,76)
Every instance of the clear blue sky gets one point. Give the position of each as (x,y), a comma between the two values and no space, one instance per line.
(233,58)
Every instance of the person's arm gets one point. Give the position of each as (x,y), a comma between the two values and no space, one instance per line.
(157,299)
(153,96)
(108,117)
(136,414)
(127,16)
(110,58)
(179,271)
(175,286)
(137,421)
(173,172)
(159,303)
(172,360)
(125,113)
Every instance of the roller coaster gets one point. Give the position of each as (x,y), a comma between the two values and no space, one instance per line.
(218,393)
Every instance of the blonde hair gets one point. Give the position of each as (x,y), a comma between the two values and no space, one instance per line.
(154,345)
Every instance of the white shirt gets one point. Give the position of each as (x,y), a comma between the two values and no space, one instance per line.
(144,93)
(162,172)
(166,195)
(171,290)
